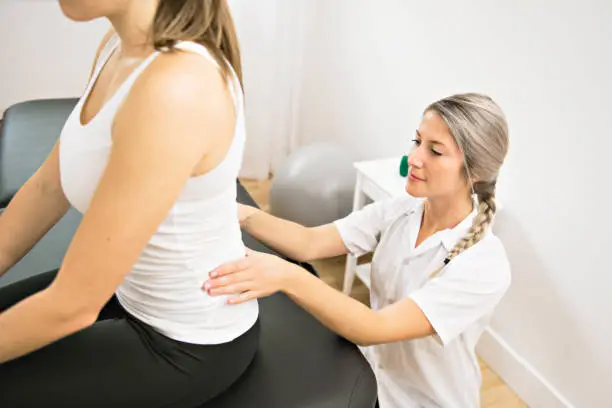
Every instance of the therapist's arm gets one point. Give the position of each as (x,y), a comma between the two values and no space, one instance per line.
(260,275)
(171,118)
(290,238)
(352,319)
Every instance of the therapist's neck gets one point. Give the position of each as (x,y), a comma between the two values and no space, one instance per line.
(133,25)
(446,212)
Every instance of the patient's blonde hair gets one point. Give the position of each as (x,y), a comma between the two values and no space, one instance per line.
(207,22)
(479,128)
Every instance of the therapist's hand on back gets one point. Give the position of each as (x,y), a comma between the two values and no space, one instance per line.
(254,276)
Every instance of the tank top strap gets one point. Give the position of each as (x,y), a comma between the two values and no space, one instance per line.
(105,53)
(141,67)
(197,49)
(200,49)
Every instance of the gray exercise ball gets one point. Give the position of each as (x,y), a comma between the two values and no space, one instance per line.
(314,185)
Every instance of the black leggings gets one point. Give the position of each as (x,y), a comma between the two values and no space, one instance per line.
(118,362)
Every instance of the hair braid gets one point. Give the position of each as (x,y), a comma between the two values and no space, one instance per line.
(483,219)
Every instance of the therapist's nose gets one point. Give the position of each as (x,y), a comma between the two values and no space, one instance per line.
(415,158)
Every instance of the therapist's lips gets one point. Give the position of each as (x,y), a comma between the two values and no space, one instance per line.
(414,178)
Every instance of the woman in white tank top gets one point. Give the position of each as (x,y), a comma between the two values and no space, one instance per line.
(150,156)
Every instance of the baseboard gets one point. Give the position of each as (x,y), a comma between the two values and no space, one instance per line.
(518,374)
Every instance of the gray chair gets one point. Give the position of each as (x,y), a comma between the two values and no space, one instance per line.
(27,135)
(299,364)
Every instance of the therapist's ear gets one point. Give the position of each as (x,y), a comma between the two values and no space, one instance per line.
(471,179)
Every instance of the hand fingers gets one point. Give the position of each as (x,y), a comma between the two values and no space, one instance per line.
(244,297)
(233,289)
(232,279)
(230,268)
(234,266)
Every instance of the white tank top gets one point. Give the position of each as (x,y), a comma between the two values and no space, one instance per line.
(200,232)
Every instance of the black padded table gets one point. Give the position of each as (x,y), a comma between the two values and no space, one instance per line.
(299,364)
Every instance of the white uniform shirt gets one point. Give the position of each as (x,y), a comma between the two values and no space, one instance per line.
(440,370)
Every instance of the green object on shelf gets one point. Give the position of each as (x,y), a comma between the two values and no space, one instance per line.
(404,166)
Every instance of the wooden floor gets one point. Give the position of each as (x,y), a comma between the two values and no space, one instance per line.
(494,393)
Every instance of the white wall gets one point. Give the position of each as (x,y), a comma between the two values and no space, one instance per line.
(272,36)
(371,67)
(42,53)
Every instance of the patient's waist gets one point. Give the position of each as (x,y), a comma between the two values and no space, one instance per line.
(187,312)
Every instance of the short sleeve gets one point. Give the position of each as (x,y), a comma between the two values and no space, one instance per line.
(361,230)
(468,290)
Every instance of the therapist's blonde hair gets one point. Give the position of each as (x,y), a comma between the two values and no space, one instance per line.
(480,129)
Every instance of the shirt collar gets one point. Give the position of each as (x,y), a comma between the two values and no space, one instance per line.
(449,237)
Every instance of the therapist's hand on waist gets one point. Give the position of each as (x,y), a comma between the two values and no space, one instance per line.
(254,276)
